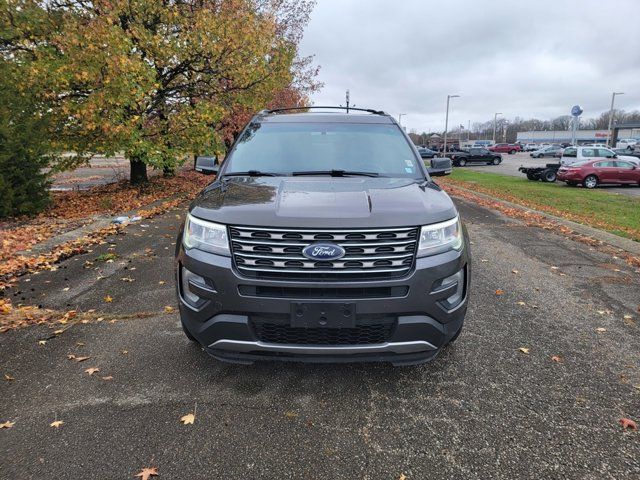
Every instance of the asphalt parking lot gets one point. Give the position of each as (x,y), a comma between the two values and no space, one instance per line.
(511,163)
(534,387)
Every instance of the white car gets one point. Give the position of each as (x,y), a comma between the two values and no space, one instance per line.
(581,154)
(596,145)
(530,147)
(627,143)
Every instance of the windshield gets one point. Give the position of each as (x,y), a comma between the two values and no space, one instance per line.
(284,148)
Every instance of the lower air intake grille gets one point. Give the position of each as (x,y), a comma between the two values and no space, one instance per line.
(360,335)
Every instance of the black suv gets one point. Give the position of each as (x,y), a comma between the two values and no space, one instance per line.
(323,238)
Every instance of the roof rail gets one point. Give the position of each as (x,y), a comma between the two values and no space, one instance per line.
(369,110)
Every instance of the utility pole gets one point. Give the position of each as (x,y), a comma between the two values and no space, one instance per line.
(495,120)
(347,99)
(446,123)
(400,115)
(468,130)
(613,98)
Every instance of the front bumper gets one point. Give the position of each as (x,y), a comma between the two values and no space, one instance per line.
(223,320)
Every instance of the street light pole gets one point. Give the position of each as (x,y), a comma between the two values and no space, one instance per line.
(495,120)
(400,115)
(613,98)
(446,124)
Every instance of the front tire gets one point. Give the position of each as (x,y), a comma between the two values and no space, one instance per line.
(496,161)
(511,152)
(462,162)
(591,181)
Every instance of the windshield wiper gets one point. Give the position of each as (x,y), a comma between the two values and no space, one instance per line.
(250,173)
(335,173)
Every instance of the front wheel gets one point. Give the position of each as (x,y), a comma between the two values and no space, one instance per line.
(496,161)
(511,152)
(590,181)
(462,162)
(531,176)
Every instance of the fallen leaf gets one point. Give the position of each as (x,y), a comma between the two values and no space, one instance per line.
(188,419)
(499,292)
(58,332)
(169,309)
(80,344)
(108,299)
(524,350)
(627,423)
(92,370)
(161,282)
(8,377)
(515,272)
(147,473)
(7,424)
(554,268)
(128,279)
(42,342)
(107,378)
(290,414)
(56,424)
(402,477)
(601,329)
(81,359)
(557,358)
(521,303)
(65,289)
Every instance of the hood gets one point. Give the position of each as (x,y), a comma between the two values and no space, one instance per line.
(323,202)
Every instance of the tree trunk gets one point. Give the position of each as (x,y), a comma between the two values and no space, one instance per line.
(138,172)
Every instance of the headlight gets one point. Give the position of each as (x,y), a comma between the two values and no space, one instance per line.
(440,237)
(207,236)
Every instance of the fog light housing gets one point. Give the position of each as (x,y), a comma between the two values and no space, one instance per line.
(187,295)
(456,298)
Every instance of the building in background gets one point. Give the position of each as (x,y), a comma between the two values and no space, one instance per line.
(562,136)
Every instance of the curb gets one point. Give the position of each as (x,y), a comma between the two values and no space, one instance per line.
(622,243)
(95,223)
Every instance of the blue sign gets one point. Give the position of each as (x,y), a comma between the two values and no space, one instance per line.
(576,110)
(323,251)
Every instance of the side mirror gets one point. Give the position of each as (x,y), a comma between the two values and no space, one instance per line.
(207,165)
(440,167)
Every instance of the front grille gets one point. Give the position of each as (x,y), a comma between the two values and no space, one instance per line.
(360,335)
(277,253)
(324,293)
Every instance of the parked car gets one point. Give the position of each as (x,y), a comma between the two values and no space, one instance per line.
(475,155)
(626,143)
(426,153)
(550,151)
(592,173)
(483,143)
(530,147)
(580,154)
(509,148)
(596,145)
(323,238)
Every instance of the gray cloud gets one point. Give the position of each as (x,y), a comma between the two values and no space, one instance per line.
(523,58)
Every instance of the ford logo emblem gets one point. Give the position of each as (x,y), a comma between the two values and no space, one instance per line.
(323,251)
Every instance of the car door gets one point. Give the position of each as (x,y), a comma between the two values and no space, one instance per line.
(588,154)
(627,173)
(569,156)
(606,171)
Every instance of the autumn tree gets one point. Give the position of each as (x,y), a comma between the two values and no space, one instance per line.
(154,79)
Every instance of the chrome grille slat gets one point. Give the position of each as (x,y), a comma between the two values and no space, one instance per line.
(370,253)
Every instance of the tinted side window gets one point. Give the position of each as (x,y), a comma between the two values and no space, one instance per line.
(603,152)
(627,165)
(588,152)
(570,152)
(604,164)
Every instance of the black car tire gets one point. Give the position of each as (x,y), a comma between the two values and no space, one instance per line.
(496,161)
(462,162)
(511,152)
(532,176)
(186,332)
(549,176)
(590,181)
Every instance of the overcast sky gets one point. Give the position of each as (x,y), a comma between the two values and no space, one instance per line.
(533,58)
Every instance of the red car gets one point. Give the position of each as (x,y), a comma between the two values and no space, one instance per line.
(594,172)
(506,148)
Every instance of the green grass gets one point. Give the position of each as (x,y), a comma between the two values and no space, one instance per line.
(619,214)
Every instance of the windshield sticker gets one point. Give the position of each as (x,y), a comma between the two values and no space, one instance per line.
(409,163)
(408,170)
